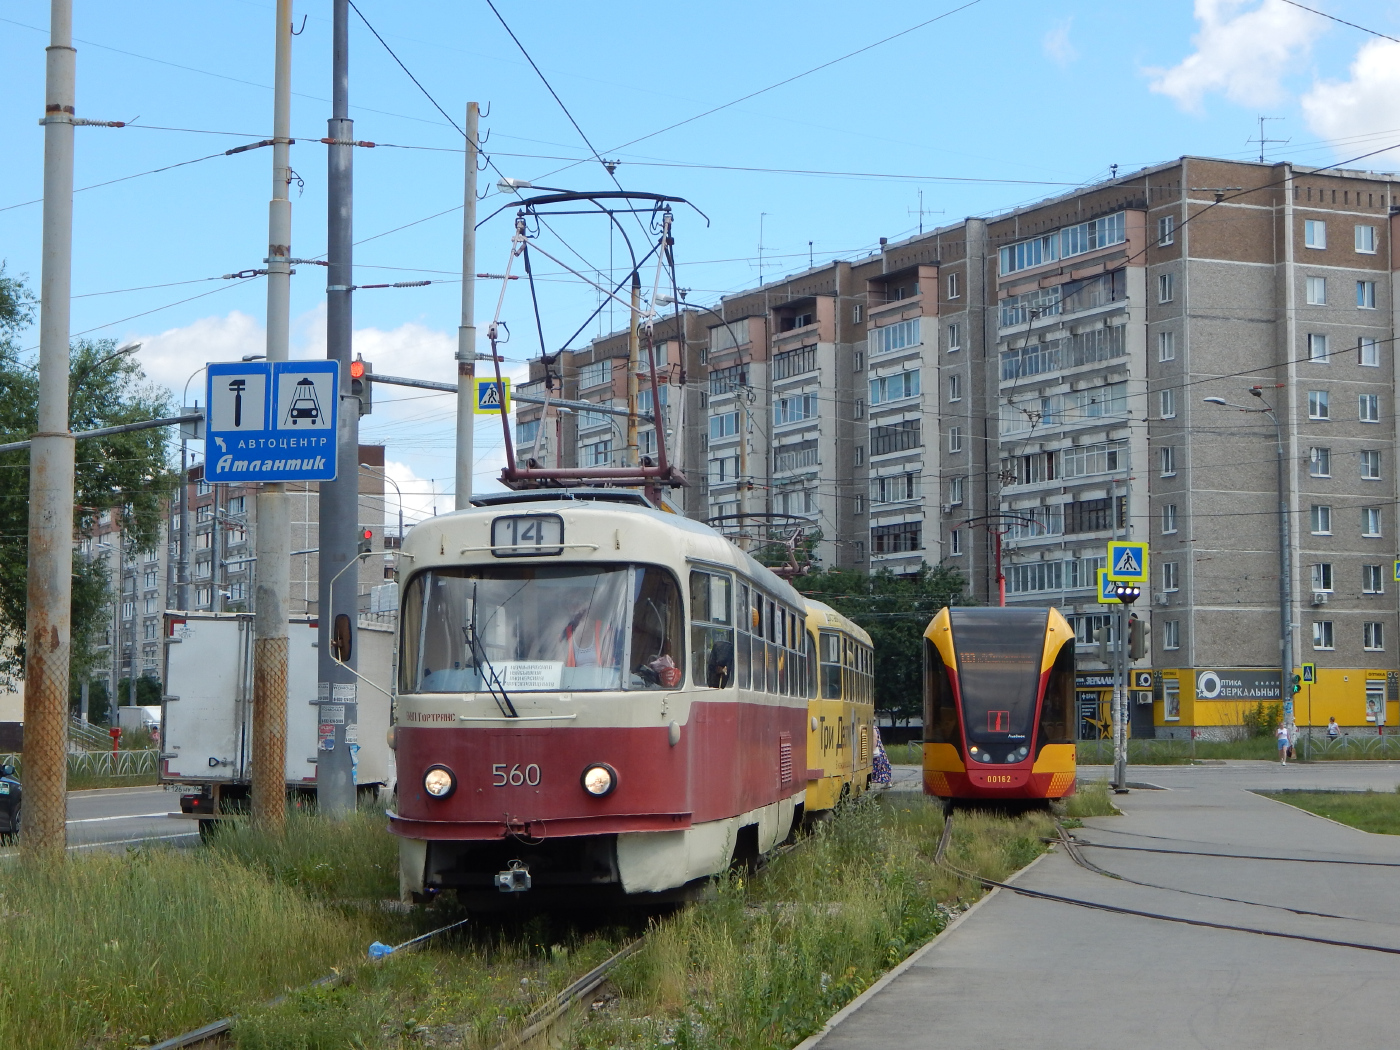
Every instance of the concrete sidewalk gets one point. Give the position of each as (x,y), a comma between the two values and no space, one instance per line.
(1022,972)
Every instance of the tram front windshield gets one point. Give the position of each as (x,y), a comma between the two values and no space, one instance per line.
(541,628)
(999,653)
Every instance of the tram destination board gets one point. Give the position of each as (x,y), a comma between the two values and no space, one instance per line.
(272,421)
(527,535)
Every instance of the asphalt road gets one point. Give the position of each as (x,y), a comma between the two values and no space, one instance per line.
(119,817)
(1025,972)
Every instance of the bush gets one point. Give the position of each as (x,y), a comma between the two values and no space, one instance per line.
(1264,720)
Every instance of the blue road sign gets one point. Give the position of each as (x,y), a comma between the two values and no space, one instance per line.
(1106,585)
(1127,561)
(272,421)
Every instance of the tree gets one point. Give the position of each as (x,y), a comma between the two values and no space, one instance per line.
(125,473)
(895,610)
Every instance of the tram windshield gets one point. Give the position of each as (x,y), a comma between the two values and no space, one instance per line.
(999,653)
(541,628)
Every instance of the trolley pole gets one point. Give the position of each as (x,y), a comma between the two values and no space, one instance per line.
(338,591)
(270,604)
(48,627)
(466,331)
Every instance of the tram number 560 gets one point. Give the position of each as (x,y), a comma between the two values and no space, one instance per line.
(515,776)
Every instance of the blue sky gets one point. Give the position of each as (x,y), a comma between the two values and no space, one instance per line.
(1021,99)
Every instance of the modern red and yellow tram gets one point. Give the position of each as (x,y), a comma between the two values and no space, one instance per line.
(999,704)
(595,699)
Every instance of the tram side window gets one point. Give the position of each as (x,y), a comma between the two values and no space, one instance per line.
(658,635)
(742,639)
(1057,709)
(940,711)
(711,630)
(831,665)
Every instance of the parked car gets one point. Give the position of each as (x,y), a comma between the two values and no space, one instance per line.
(10,795)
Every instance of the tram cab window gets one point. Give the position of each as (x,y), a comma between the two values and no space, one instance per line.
(1057,708)
(658,637)
(940,709)
(831,665)
(711,630)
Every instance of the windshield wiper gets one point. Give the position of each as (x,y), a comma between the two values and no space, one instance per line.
(483,664)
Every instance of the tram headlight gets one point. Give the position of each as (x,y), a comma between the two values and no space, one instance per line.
(439,781)
(599,779)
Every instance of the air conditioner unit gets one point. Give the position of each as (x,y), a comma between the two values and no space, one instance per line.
(1162,598)
(1321,597)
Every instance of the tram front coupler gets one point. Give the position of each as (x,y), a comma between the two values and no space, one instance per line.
(515,879)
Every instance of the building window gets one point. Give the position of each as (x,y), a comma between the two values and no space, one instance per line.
(1368,408)
(954,338)
(1168,518)
(728,380)
(1322,634)
(1372,579)
(150,630)
(1368,353)
(1366,240)
(894,488)
(857,314)
(152,605)
(859,455)
(1322,576)
(1371,465)
(896,437)
(1166,346)
(795,362)
(1314,233)
(1171,634)
(1166,287)
(203,595)
(150,580)
(1372,638)
(891,337)
(238,592)
(1371,522)
(955,439)
(1320,518)
(595,374)
(597,454)
(1090,515)
(202,487)
(204,513)
(858,361)
(1320,462)
(1171,576)
(724,425)
(1168,458)
(794,409)
(1317,349)
(128,610)
(1317,405)
(858,410)
(896,539)
(1317,291)
(526,432)
(1366,295)
(955,542)
(1166,231)
(589,420)
(954,286)
(1167,400)
(955,490)
(896,387)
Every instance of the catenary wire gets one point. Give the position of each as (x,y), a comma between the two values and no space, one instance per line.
(1343,21)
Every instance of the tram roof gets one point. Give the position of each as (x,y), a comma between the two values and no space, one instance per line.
(650,533)
(819,614)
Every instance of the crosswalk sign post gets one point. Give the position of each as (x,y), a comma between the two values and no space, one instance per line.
(1127,561)
(492,396)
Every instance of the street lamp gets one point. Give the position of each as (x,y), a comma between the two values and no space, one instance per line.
(391,481)
(1285,548)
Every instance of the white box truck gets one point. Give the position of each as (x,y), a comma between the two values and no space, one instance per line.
(207,708)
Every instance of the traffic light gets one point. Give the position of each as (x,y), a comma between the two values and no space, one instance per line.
(1297,682)
(1137,638)
(1101,636)
(366,541)
(360,385)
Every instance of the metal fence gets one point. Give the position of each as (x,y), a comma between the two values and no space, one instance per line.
(100,763)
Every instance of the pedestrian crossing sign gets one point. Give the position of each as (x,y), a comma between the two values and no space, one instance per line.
(492,396)
(1397,571)
(1127,562)
(1106,585)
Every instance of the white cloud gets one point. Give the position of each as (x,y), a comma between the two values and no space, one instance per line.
(1057,46)
(1242,54)
(421,496)
(171,357)
(1366,104)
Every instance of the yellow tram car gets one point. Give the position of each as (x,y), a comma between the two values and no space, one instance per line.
(841,713)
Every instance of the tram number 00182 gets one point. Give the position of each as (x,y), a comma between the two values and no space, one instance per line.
(515,776)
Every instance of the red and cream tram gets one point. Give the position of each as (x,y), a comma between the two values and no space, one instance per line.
(594,698)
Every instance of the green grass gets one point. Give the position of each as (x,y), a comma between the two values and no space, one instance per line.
(1374,811)
(905,754)
(1091,799)
(1184,752)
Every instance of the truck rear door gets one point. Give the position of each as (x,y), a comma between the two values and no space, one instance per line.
(206,689)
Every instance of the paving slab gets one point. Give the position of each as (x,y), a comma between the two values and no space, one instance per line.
(1025,972)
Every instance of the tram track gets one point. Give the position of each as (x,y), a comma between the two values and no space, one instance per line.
(940,859)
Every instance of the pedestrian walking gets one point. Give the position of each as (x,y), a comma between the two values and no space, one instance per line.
(1333,730)
(1282,745)
(881,773)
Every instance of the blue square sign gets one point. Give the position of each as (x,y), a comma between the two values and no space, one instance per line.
(271,421)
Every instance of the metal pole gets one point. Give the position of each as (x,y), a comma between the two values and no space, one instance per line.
(48,630)
(182,577)
(466,332)
(336,605)
(1120,703)
(270,605)
(633,362)
(1285,576)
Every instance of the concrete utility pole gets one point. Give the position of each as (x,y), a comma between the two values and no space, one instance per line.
(466,332)
(48,628)
(338,589)
(274,538)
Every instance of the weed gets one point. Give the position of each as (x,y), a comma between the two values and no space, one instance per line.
(1091,799)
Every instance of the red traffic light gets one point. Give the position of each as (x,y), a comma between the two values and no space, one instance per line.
(357,369)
